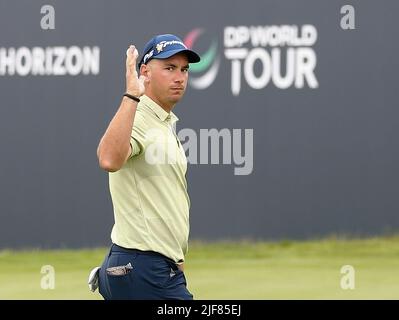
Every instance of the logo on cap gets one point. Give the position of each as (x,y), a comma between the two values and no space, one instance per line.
(148,56)
(160,47)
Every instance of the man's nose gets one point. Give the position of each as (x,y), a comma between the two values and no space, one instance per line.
(180,76)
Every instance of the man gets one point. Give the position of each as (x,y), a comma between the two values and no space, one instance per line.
(147,167)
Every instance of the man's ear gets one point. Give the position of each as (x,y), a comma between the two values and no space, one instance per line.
(145,70)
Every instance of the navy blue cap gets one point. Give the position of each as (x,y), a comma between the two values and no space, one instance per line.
(164,46)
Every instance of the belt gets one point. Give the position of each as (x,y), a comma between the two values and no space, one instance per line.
(149,253)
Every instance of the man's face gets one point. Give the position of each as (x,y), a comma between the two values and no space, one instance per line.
(166,79)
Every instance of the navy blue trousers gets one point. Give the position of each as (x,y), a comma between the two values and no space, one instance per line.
(152,277)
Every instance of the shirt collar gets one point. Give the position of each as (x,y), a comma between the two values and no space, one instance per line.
(158,110)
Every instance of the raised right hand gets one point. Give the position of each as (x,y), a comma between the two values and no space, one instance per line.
(134,84)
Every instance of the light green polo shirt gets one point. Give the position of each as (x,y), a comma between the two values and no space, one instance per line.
(149,193)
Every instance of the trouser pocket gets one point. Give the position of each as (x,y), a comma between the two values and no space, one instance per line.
(117,275)
(121,286)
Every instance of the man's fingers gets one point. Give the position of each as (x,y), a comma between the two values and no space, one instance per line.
(132,52)
(131,58)
(134,85)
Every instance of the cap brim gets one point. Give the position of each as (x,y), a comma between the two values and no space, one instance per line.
(191,55)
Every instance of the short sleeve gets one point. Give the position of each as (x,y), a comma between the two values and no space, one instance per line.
(137,137)
(136,147)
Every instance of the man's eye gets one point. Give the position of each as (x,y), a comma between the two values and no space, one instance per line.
(185,70)
(169,68)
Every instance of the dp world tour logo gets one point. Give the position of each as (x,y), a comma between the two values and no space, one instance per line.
(203,73)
